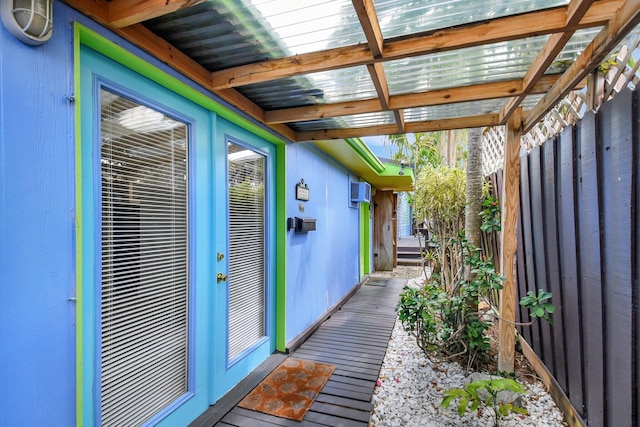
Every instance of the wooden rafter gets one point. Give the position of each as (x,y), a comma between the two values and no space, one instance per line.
(483,120)
(123,13)
(500,29)
(370,25)
(575,11)
(477,92)
(170,55)
(124,17)
(625,19)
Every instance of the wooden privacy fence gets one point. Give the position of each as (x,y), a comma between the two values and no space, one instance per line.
(578,237)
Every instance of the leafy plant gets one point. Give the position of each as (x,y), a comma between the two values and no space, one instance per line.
(470,397)
(442,318)
(490,213)
(538,305)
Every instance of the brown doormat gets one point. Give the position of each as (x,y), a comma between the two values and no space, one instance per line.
(289,391)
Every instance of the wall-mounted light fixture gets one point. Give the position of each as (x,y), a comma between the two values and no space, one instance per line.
(401,169)
(30,21)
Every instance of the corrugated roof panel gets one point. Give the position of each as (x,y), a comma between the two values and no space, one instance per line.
(462,109)
(402,17)
(310,25)
(573,49)
(353,121)
(225,34)
(481,64)
(318,88)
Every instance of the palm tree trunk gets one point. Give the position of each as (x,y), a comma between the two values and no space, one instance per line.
(472,220)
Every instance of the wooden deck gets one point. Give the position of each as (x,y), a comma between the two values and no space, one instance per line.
(354,339)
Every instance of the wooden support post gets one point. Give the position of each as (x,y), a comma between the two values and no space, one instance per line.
(510,205)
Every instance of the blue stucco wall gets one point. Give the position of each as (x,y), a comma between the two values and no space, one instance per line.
(37,200)
(37,229)
(322,265)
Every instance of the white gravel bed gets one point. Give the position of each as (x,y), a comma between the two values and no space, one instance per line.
(411,388)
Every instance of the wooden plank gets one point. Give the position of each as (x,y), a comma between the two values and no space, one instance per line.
(616,132)
(336,391)
(334,421)
(571,301)
(525,331)
(588,194)
(370,25)
(343,412)
(382,233)
(123,13)
(625,19)
(344,401)
(476,34)
(360,389)
(482,120)
(548,53)
(538,228)
(551,241)
(510,192)
(330,345)
(362,355)
(244,418)
(572,417)
(527,244)
(379,79)
(339,378)
(475,92)
(635,248)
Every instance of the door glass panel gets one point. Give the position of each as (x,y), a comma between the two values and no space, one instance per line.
(247,313)
(144,305)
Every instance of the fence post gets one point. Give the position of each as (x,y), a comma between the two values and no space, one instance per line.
(510,205)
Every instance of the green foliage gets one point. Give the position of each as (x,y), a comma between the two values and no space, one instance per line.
(538,305)
(442,318)
(490,213)
(469,397)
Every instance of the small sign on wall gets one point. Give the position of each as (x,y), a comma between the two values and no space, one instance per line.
(302,191)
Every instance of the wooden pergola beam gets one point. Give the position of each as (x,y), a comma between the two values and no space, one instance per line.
(370,25)
(483,120)
(554,45)
(123,13)
(510,206)
(477,92)
(162,50)
(625,19)
(477,34)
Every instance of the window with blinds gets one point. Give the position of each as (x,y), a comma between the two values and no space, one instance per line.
(247,309)
(144,305)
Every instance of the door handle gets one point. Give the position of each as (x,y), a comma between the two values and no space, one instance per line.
(221,277)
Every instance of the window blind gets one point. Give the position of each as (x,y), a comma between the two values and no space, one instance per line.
(144,303)
(246,248)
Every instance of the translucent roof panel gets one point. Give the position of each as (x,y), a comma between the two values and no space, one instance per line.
(353,121)
(225,34)
(402,17)
(308,25)
(481,64)
(573,49)
(462,109)
(319,88)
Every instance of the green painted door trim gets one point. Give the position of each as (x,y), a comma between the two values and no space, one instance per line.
(281,248)
(84,36)
(78,225)
(365,239)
